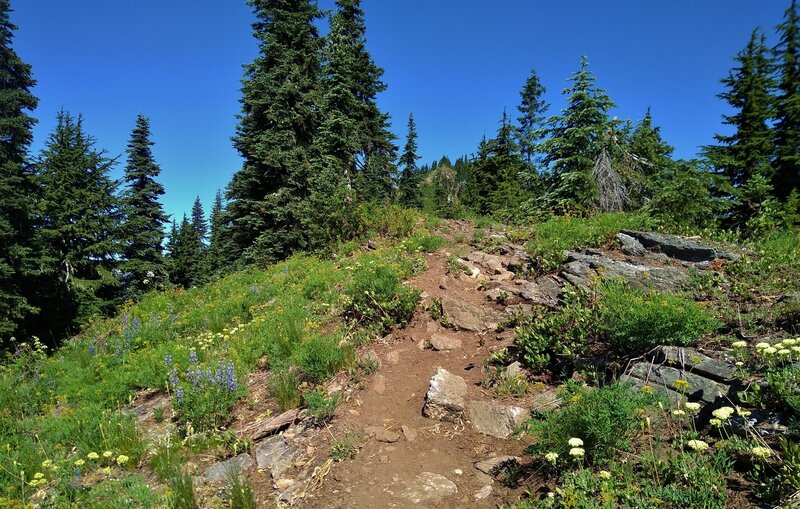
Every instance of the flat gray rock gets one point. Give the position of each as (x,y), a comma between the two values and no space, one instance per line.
(428,487)
(695,362)
(275,454)
(468,317)
(444,400)
(382,434)
(440,342)
(544,401)
(699,388)
(580,267)
(496,420)
(222,470)
(492,465)
(679,248)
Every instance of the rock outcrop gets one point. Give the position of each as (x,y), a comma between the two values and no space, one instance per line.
(444,400)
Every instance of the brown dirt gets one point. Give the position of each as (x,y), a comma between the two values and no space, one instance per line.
(394,397)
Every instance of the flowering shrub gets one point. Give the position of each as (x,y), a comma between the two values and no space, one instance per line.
(203,398)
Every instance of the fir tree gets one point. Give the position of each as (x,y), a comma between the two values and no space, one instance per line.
(532,109)
(497,171)
(199,222)
(748,152)
(275,132)
(185,257)
(218,258)
(144,218)
(355,81)
(575,140)
(787,127)
(650,154)
(408,183)
(17,191)
(80,227)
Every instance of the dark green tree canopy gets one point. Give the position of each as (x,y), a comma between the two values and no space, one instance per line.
(532,108)
(408,183)
(18,195)
(144,218)
(275,132)
(787,127)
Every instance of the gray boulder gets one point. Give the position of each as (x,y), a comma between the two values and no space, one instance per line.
(580,267)
(428,487)
(275,454)
(468,317)
(699,388)
(496,420)
(679,248)
(222,470)
(444,400)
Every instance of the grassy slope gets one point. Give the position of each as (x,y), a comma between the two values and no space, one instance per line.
(55,410)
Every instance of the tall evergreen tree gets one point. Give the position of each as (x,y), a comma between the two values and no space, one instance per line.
(185,257)
(144,218)
(408,183)
(748,152)
(497,171)
(532,108)
(17,191)
(787,127)
(218,257)
(355,80)
(650,154)
(199,222)
(80,230)
(275,132)
(575,140)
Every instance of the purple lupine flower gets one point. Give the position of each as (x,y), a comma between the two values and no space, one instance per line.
(230,378)
(92,349)
(173,377)
(168,360)
(179,394)
(137,325)
(193,356)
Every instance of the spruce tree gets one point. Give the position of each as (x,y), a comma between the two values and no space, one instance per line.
(787,127)
(80,227)
(650,155)
(17,191)
(275,132)
(143,268)
(352,76)
(532,108)
(218,258)
(199,222)
(748,152)
(575,140)
(185,257)
(408,183)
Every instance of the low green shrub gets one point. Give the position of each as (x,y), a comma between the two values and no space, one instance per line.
(635,320)
(343,449)
(240,493)
(551,339)
(422,242)
(181,491)
(784,386)
(321,357)
(378,296)
(606,419)
(320,405)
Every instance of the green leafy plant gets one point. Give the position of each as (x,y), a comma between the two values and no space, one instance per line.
(321,357)
(240,493)
(551,340)
(377,295)
(343,449)
(634,320)
(205,396)
(605,419)
(321,406)
(283,387)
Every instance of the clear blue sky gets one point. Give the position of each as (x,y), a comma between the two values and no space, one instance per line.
(455,63)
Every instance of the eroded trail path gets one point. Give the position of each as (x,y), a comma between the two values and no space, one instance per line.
(407,460)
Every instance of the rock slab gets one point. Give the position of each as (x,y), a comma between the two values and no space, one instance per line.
(442,343)
(580,267)
(276,455)
(468,317)
(429,487)
(679,248)
(444,400)
(222,470)
(496,420)
(382,434)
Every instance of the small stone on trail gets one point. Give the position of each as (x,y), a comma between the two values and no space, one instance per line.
(491,465)
(408,432)
(458,471)
(382,434)
(282,484)
(440,342)
(483,492)
(445,398)
(429,487)
(393,357)
(379,384)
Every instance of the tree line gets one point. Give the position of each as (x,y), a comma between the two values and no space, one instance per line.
(318,153)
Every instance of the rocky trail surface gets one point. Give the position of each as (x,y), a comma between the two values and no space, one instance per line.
(423,431)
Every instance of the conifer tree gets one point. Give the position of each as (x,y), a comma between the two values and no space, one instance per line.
(199,222)
(575,140)
(355,80)
(17,191)
(532,108)
(787,127)
(650,154)
(144,218)
(218,258)
(497,171)
(80,227)
(748,152)
(186,261)
(275,131)
(408,183)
